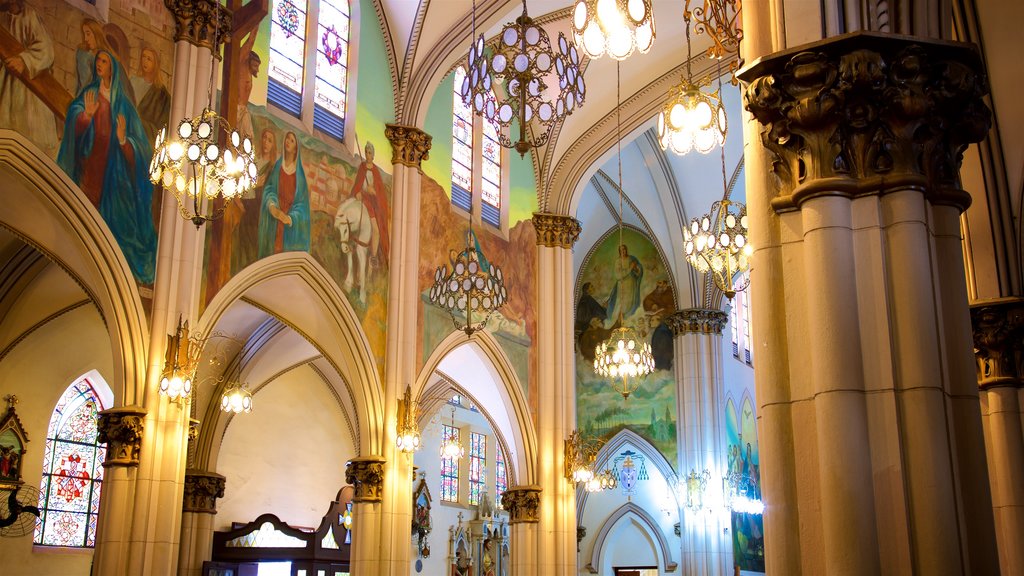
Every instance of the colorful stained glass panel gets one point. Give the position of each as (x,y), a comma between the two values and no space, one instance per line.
(449,468)
(477,459)
(332,57)
(500,476)
(288,43)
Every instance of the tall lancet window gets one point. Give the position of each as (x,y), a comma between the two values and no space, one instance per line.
(462,147)
(329,90)
(69,495)
(287,54)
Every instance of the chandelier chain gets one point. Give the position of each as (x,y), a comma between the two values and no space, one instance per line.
(618,144)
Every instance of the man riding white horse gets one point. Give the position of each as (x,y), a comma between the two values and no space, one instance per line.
(362,222)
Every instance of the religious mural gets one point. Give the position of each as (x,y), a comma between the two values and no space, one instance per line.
(744,465)
(89,88)
(625,283)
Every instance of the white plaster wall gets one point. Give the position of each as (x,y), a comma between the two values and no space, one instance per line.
(630,545)
(37,371)
(445,514)
(287,456)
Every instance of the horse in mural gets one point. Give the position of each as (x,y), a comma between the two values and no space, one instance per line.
(353,223)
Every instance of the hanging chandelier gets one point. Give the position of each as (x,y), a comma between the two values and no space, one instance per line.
(451,448)
(236,399)
(604,481)
(474,289)
(692,119)
(615,27)
(509,85)
(624,357)
(203,159)
(717,243)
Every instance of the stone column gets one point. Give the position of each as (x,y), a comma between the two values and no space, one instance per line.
(121,429)
(199,506)
(556,385)
(409,147)
(523,505)
(999,349)
(366,474)
(697,363)
(156,522)
(874,457)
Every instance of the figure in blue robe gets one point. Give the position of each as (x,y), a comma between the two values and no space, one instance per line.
(106,152)
(284,208)
(625,296)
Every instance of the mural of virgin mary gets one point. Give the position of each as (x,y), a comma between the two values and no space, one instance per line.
(106,152)
(284,208)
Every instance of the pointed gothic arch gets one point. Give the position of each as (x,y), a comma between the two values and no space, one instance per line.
(630,511)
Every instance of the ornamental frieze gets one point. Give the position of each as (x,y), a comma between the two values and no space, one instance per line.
(697,321)
(865,113)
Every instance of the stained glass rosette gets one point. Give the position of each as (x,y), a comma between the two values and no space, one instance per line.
(473,290)
(717,243)
(616,27)
(203,158)
(692,120)
(509,85)
(624,358)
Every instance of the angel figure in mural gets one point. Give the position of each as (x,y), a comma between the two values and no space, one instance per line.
(625,297)
(284,209)
(20,109)
(106,152)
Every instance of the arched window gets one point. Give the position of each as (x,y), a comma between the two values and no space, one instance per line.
(289,88)
(476,161)
(69,495)
(740,319)
(733,320)
(477,460)
(449,468)
(500,476)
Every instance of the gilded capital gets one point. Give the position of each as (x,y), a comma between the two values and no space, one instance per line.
(697,321)
(198,22)
(866,113)
(556,230)
(409,145)
(998,327)
(121,430)
(202,489)
(522,503)
(367,476)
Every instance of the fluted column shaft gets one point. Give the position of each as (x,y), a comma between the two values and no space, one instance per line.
(868,420)
(556,551)
(697,363)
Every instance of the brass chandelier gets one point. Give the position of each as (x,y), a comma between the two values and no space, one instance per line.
(616,27)
(236,399)
(474,288)
(203,159)
(507,85)
(624,357)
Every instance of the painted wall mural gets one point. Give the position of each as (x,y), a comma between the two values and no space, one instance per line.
(88,85)
(626,280)
(744,462)
(313,194)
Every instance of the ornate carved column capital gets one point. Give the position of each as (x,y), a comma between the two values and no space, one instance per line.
(998,327)
(522,503)
(556,230)
(121,430)
(697,321)
(366,474)
(409,145)
(196,20)
(202,489)
(865,113)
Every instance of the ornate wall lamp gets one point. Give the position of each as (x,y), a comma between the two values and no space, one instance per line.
(696,487)
(180,362)
(408,434)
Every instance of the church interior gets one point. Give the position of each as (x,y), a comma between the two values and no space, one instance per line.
(511,287)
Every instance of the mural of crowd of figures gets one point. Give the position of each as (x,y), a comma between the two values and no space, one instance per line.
(88,86)
(626,280)
(744,462)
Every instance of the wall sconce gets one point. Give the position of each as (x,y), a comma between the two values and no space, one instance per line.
(579,459)
(408,439)
(696,485)
(741,495)
(180,363)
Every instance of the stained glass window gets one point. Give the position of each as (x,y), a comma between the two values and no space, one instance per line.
(287,54)
(462,147)
(490,186)
(477,459)
(746,320)
(733,320)
(449,468)
(69,496)
(329,89)
(500,476)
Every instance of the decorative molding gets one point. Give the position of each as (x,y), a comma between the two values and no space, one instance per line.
(643,518)
(522,503)
(697,321)
(197,21)
(202,489)
(998,327)
(866,113)
(366,474)
(556,230)
(409,145)
(121,430)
